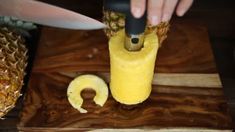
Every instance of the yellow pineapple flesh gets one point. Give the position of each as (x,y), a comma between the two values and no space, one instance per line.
(87,81)
(132,72)
(13,61)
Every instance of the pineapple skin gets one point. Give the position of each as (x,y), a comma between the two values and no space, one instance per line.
(13,61)
(116,22)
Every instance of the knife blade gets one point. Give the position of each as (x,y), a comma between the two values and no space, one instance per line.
(46,14)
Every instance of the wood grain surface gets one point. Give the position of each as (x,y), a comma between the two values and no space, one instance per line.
(178,99)
(204,80)
(187,50)
(168,106)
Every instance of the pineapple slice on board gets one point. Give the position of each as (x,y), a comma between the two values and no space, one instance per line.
(87,81)
(13,61)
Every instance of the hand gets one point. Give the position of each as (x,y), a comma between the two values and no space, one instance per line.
(159,10)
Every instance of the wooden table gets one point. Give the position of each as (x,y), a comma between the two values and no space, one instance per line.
(187,93)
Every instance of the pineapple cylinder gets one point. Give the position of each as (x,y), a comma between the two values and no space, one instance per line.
(132,72)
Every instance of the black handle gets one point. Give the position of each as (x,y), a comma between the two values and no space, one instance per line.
(132,25)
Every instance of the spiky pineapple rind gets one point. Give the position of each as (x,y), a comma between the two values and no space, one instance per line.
(13,61)
(116,21)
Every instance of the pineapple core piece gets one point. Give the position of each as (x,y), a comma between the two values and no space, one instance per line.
(87,81)
(132,72)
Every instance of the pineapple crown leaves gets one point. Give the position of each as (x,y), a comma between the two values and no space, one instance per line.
(22,27)
(17,23)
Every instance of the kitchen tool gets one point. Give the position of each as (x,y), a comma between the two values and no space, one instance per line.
(134,27)
(45,14)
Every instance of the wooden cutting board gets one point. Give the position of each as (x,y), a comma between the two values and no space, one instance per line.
(187,93)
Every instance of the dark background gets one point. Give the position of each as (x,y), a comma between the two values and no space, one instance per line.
(217,15)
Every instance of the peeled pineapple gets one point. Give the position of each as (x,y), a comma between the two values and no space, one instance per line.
(116,21)
(13,61)
(87,81)
(132,72)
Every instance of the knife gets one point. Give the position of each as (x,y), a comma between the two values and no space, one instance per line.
(46,14)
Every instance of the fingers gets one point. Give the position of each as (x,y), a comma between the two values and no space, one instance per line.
(155,11)
(159,10)
(138,7)
(168,9)
(183,6)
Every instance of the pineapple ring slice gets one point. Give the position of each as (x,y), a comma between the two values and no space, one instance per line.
(87,81)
